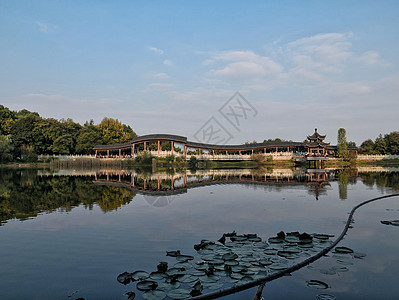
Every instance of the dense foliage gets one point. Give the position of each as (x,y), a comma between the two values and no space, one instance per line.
(25,134)
(387,144)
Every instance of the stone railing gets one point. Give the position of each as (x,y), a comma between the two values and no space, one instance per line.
(377,157)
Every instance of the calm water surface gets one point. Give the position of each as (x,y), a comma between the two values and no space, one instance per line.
(68,235)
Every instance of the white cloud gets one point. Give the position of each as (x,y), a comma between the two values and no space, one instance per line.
(46,28)
(161,85)
(156,50)
(373,58)
(157,75)
(167,62)
(244,65)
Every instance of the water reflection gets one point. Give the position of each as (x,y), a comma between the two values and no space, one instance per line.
(26,193)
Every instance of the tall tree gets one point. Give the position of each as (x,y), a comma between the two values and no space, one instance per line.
(6,149)
(342,146)
(380,145)
(114,132)
(89,136)
(367,147)
(392,142)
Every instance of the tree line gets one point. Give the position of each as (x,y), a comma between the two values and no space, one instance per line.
(387,144)
(25,134)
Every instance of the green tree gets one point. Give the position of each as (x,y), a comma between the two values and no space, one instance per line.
(367,147)
(114,132)
(22,132)
(6,149)
(6,119)
(342,146)
(63,144)
(89,136)
(392,142)
(380,145)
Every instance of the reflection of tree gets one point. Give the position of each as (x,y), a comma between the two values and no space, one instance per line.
(343,184)
(382,180)
(23,194)
(114,197)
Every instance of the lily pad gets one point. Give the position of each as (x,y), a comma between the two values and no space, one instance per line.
(157,275)
(317,284)
(209,278)
(179,294)
(154,295)
(140,275)
(230,256)
(147,285)
(169,285)
(188,278)
(184,258)
(124,278)
(325,297)
(175,271)
(343,250)
(359,255)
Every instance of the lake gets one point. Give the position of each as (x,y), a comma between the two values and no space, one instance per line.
(68,234)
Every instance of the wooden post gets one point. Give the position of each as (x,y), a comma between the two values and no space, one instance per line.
(145,146)
(158,146)
(119,153)
(172,144)
(132,151)
(96,153)
(107,153)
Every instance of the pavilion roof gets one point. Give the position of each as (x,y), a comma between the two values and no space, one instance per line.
(316,136)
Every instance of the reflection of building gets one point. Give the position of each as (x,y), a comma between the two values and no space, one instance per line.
(317,181)
(161,145)
(163,184)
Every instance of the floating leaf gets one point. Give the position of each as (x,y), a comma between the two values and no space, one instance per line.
(359,255)
(124,278)
(157,275)
(209,278)
(341,269)
(175,271)
(146,285)
(183,265)
(154,295)
(188,278)
(317,284)
(275,240)
(325,297)
(344,262)
(343,250)
(230,256)
(179,294)
(184,258)
(331,271)
(322,236)
(140,275)
(231,263)
(130,295)
(169,285)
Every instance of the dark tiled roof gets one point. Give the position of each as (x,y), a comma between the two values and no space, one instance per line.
(169,137)
(316,136)
(243,147)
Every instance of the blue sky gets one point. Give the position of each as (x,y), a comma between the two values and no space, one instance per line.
(168,66)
